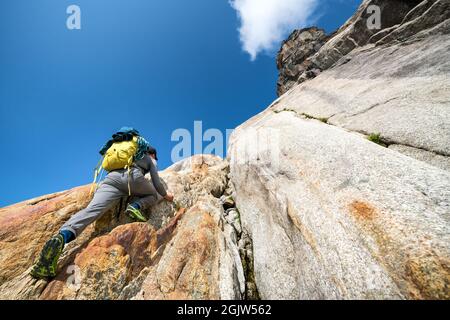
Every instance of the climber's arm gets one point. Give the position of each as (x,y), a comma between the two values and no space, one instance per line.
(156,180)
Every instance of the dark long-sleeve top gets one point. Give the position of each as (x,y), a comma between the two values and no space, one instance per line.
(147,165)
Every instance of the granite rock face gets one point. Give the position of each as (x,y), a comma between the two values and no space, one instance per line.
(393,83)
(347,218)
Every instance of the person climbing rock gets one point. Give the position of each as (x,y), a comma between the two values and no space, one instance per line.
(128,158)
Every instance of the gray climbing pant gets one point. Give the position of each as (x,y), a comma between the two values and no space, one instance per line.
(109,192)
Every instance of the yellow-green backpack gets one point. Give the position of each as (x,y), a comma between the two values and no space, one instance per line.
(119,156)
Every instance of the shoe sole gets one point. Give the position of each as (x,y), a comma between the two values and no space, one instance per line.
(46,266)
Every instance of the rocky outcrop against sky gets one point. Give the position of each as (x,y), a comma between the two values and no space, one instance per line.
(346,175)
(292,60)
(399,20)
(393,82)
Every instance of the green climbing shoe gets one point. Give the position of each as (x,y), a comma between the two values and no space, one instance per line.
(135,214)
(48,261)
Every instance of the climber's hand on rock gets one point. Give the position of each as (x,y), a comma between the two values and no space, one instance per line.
(169,197)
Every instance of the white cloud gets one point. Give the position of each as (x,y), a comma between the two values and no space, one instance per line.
(264,23)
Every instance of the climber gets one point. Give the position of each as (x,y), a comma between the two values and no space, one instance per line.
(117,185)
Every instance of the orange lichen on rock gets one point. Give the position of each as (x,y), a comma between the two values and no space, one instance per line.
(109,262)
(362,210)
(189,266)
(26,226)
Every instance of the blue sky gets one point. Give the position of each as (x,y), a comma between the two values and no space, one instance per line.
(155,65)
